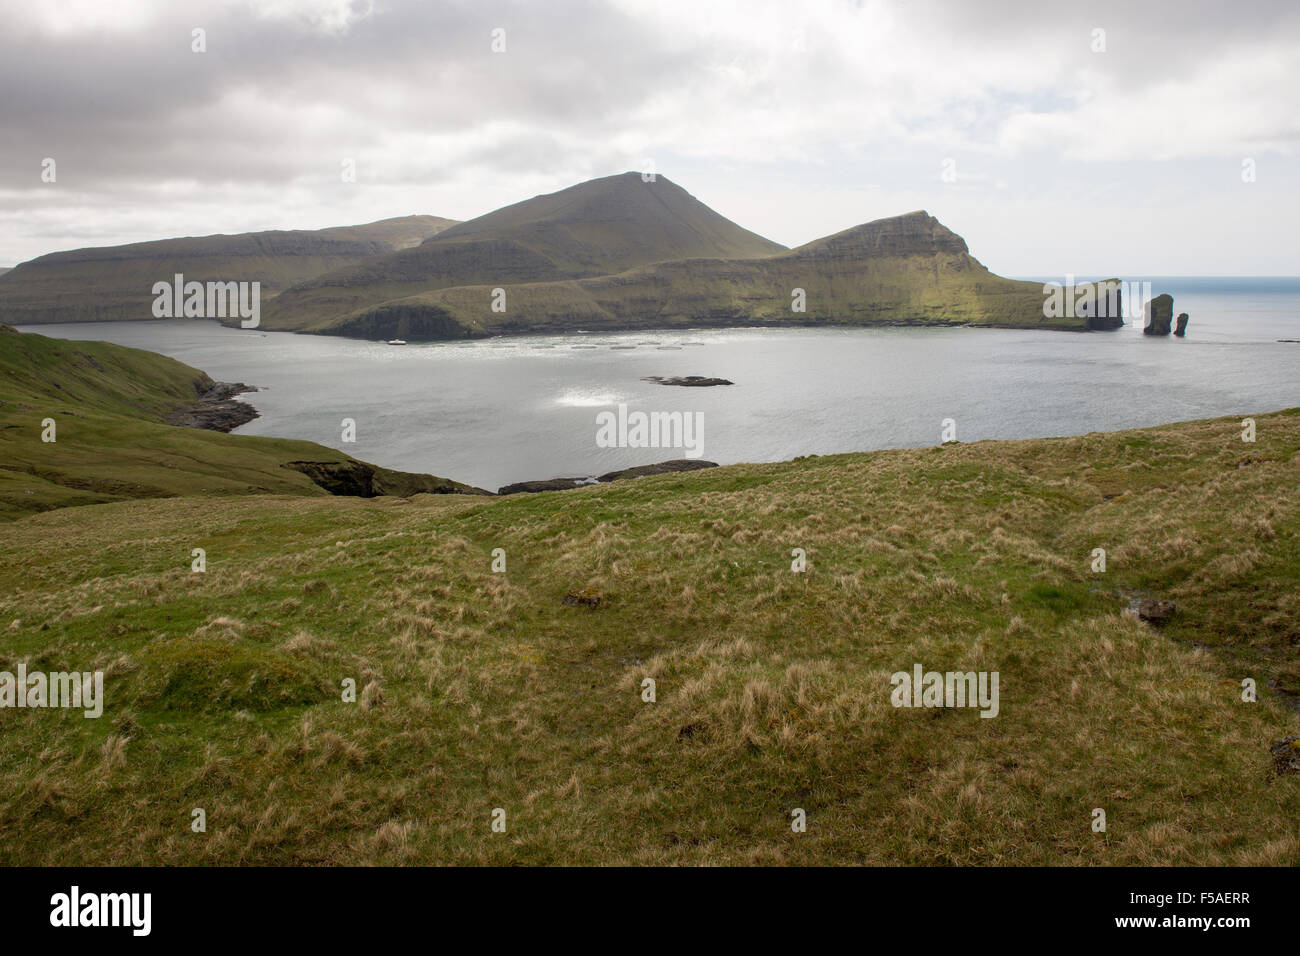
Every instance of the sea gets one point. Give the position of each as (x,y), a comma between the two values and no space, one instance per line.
(495,411)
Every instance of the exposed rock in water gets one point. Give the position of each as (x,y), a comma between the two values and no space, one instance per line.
(565,484)
(548,484)
(1159,315)
(1181,330)
(358,479)
(1156,612)
(663,468)
(216,409)
(688,380)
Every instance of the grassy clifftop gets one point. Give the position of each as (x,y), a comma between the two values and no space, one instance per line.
(115,282)
(108,405)
(480,690)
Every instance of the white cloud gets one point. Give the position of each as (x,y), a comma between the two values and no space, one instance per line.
(842,111)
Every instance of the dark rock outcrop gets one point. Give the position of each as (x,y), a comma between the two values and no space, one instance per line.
(565,484)
(360,480)
(687,380)
(548,484)
(1286,755)
(1156,612)
(1107,309)
(216,409)
(1181,330)
(662,468)
(1159,315)
(587,597)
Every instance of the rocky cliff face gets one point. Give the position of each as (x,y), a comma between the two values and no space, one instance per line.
(1159,315)
(912,234)
(906,270)
(358,479)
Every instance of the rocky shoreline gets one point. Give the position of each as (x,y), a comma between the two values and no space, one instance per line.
(697,381)
(216,408)
(566,484)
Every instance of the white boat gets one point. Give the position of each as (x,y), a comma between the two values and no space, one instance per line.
(397,341)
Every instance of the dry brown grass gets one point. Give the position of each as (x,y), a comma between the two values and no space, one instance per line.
(479,690)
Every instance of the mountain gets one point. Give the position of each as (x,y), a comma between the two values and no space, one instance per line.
(110,405)
(614,253)
(115,282)
(907,269)
(594,228)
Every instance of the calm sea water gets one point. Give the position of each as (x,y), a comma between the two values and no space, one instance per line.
(502,410)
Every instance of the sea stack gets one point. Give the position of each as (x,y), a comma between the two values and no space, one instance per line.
(1159,315)
(1181,330)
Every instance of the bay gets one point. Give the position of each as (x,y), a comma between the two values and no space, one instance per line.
(496,411)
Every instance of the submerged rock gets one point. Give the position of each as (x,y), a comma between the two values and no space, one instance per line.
(1159,315)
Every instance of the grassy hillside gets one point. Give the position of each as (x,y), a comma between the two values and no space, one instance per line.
(903,270)
(108,404)
(479,690)
(115,282)
(615,253)
(594,228)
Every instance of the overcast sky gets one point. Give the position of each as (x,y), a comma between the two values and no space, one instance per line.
(795,119)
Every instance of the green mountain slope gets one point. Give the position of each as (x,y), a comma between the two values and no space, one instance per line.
(594,228)
(905,270)
(108,404)
(772,689)
(116,282)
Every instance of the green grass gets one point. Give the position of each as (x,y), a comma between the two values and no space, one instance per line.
(928,280)
(108,404)
(116,282)
(594,228)
(479,690)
